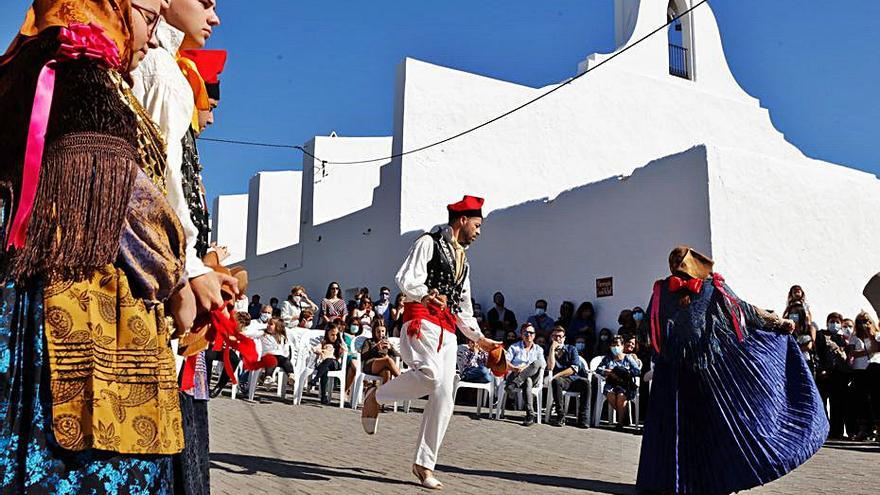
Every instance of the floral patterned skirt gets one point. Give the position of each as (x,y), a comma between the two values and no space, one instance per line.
(30,459)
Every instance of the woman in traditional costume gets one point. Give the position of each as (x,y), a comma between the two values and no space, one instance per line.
(733,404)
(91,251)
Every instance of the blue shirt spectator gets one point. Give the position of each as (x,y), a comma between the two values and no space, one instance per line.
(540,321)
(518,355)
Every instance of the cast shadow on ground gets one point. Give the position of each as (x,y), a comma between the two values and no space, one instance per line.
(546,480)
(297,470)
(852,446)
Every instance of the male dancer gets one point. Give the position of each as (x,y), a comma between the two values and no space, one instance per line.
(435,278)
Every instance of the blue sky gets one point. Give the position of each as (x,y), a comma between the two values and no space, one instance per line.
(300,68)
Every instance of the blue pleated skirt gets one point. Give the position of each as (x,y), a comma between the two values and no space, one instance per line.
(751,417)
(30,460)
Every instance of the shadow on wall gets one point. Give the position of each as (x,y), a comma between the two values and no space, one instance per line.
(618,227)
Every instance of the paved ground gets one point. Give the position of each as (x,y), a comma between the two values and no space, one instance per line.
(278,448)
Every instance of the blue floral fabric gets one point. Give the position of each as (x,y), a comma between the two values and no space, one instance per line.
(30,460)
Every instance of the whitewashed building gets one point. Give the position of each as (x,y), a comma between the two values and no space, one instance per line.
(599,180)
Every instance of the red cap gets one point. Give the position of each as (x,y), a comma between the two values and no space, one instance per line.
(209,62)
(470,206)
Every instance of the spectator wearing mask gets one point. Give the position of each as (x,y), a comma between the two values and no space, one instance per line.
(378,355)
(603,347)
(297,302)
(833,373)
(583,323)
(330,354)
(382,307)
(621,370)
(848,328)
(568,375)
(353,328)
(797,296)
(500,318)
(471,363)
(274,342)
(864,350)
(525,360)
(566,314)
(540,321)
(306,319)
(332,306)
(580,343)
(254,307)
(396,313)
(804,331)
(257,327)
(274,303)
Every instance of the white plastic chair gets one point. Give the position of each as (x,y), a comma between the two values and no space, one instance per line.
(484,390)
(537,396)
(253,376)
(357,391)
(306,361)
(601,399)
(567,396)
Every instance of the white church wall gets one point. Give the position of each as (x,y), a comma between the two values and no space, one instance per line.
(273,211)
(229,225)
(621,227)
(353,241)
(776,223)
(339,190)
(604,124)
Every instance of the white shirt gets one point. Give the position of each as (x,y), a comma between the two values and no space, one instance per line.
(168,98)
(858,344)
(413,274)
(255,330)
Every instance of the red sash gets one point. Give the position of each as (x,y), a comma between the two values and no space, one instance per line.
(414,313)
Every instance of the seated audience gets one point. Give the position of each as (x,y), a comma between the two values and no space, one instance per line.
(330,354)
(621,370)
(471,363)
(569,375)
(378,356)
(525,360)
(274,342)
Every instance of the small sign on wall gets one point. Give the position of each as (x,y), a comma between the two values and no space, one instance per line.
(605,287)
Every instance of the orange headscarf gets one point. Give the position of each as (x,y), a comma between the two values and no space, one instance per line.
(112,15)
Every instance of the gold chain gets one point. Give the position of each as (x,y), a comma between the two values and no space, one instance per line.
(151,144)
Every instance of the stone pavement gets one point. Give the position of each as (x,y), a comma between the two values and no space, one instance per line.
(277,448)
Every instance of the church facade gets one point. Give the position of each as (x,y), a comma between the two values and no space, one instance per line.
(586,191)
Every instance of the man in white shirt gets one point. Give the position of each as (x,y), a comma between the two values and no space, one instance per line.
(167,96)
(525,360)
(435,279)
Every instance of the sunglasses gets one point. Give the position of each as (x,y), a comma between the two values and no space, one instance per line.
(151,17)
(529,333)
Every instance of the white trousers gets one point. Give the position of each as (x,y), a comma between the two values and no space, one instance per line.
(430,373)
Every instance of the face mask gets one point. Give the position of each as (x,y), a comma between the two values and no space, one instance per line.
(539,311)
(795,317)
(834,327)
(352,329)
(580,346)
(297,298)
(264,317)
(603,338)
(638,316)
(617,350)
(848,331)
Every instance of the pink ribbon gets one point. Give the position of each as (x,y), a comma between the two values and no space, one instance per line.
(736,312)
(78,41)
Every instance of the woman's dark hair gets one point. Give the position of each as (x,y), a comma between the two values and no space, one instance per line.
(791,298)
(337,346)
(330,290)
(243,318)
(398,298)
(566,313)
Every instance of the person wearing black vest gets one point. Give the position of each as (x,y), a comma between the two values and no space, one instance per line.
(435,278)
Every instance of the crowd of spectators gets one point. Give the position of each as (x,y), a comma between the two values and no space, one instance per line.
(844,355)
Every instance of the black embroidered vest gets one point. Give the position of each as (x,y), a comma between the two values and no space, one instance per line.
(441,272)
(192,192)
